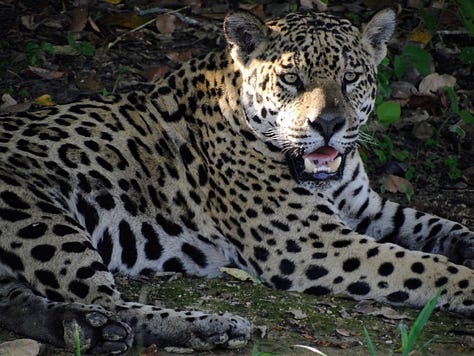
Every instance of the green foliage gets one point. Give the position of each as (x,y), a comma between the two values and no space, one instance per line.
(255,352)
(465,115)
(77,340)
(466,14)
(409,338)
(35,52)
(451,163)
(419,57)
(467,55)
(388,112)
(85,48)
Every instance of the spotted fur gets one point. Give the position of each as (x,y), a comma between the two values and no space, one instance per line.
(207,170)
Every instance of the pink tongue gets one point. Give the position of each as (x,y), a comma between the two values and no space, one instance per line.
(322,155)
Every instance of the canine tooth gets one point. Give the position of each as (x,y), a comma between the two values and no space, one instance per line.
(334,165)
(308,165)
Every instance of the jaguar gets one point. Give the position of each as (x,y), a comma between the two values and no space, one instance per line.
(246,157)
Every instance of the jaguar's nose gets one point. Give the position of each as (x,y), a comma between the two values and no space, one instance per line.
(327,124)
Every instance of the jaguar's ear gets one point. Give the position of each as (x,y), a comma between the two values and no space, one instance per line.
(245,34)
(378,32)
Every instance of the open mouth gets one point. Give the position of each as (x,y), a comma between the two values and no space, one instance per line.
(323,164)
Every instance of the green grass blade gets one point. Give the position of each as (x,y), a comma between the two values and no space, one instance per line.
(370,345)
(421,321)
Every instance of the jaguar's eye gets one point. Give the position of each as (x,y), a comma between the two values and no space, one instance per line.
(291,79)
(351,77)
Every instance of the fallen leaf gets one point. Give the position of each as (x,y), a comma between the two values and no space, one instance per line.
(262,329)
(44,100)
(314,4)
(45,73)
(433,82)
(420,35)
(423,130)
(368,307)
(79,17)
(402,90)
(152,74)
(24,347)
(93,24)
(297,314)
(166,23)
(396,184)
(239,274)
(343,332)
(126,20)
(468,175)
(28,21)
(182,56)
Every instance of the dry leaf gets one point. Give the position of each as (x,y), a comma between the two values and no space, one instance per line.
(166,23)
(182,56)
(423,130)
(297,314)
(433,82)
(44,100)
(420,35)
(343,332)
(93,24)
(314,4)
(79,17)
(24,347)
(396,184)
(125,20)
(239,274)
(152,74)
(45,73)
(28,21)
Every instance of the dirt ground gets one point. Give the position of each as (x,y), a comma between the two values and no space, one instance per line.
(100,47)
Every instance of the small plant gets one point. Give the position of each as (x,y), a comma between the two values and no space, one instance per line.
(409,338)
(77,340)
(453,170)
(35,52)
(85,48)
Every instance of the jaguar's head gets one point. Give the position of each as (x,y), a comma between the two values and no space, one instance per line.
(308,83)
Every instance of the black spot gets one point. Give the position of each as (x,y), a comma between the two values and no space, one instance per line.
(463,284)
(453,270)
(53,295)
(168,226)
(373,252)
(32,231)
(413,283)
(85,272)
(186,154)
(14,200)
(63,230)
(79,288)
(129,204)
(418,267)
(261,253)
(441,282)
(11,260)
(153,248)
(329,227)
(287,267)
(49,208)
(341,243)
(74,247)
(43,253)
(317,290)
(292,246)
(13,215)
(398,297)
(128,243)
(105,200)
(47,278)
(90,214)
(358,288)
(281,282)
(351,264)
(105,247)
(386,269)
(195,254)
(173,265)
(314,272)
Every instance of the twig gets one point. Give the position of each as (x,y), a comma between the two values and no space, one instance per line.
(159,10)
